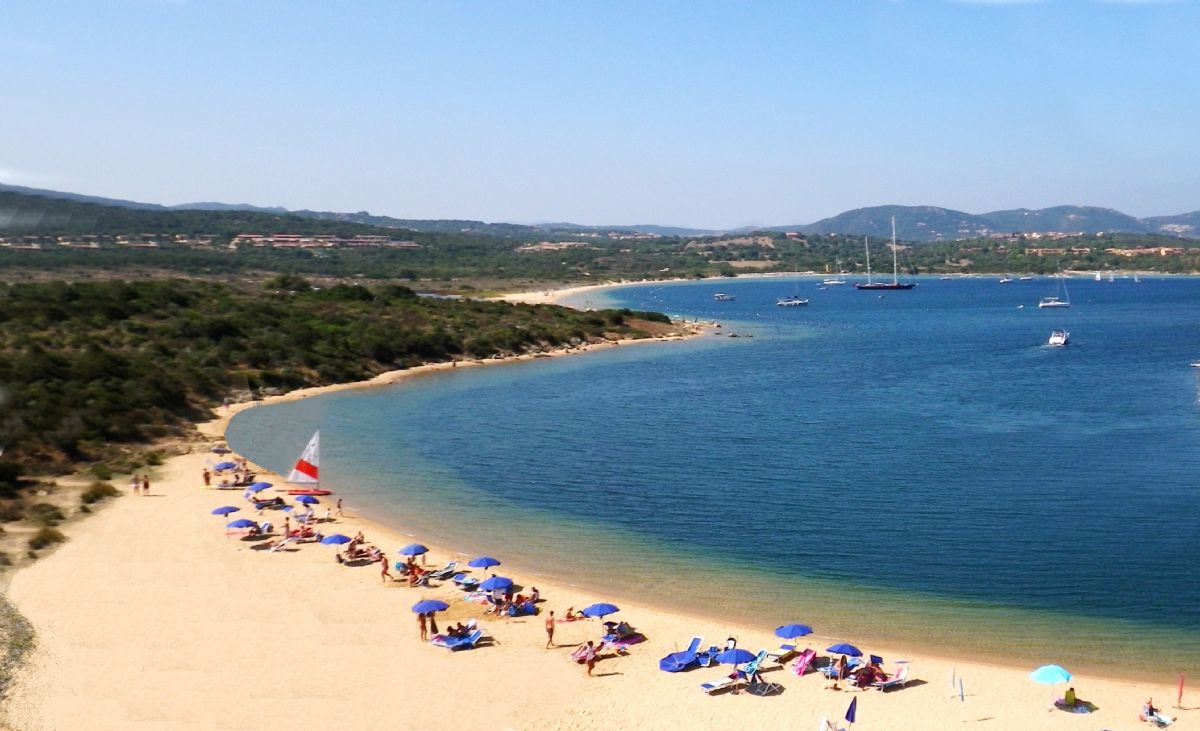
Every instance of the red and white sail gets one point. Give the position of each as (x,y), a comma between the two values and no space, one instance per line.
(305,470)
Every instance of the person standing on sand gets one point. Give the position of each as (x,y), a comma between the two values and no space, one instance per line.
(207,477)
(424,627)
(338,512)
(145,485)
(589,656)
(135,484)
(384,575)
(550,630)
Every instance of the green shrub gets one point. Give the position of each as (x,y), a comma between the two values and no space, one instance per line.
(84,509)
(98,491)
(4,559)
(10,511)
(102,472)
(45,514)
(154,459)
(46,537)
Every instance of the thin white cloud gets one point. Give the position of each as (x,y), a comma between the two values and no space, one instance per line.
(13,176)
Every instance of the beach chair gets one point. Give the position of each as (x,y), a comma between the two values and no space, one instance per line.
(716,686)
(751,668)
(761,687)
(830,670)
(804,661)
(458,643)
(782,654)
(898,680)
(445,572)
(705,658)
(466,583)
(677,661)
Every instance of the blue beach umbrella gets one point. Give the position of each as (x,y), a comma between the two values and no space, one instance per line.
(1050,675)
(259,486)
(792,631)
(225,510)
(496,582)
(483,562)
(413,549)
(307,500)
(240,523)
(224,466)
(600,610)
(336,539)
(844,648)
(852,711)
(429,605)
(734,656)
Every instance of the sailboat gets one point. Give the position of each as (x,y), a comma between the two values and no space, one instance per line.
(1057,301)
(895,283)
(792,300)
(306,470)
(837,280)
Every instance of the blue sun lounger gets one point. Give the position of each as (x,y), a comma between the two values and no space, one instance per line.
(677,661)
(458,643)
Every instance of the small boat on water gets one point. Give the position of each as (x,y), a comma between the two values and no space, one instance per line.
(1060,300)
(791,301)
(1059,338)
(722,297)
(1006,280)
(1024,279)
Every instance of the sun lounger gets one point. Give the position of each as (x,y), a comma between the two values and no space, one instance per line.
(677,661)
(764,688)
(716,686)
(804,661)
(444,572)
(705,658)
(830,670)
(466,583)
(458,643)
(783,654)
(751,668)
(898,680)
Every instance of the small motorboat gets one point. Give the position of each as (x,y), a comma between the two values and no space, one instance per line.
(722,297)
(1059,338)
(792,301)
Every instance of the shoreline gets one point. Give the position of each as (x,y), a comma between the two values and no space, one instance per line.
(121,633)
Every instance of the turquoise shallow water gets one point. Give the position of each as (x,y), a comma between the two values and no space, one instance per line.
(917,468)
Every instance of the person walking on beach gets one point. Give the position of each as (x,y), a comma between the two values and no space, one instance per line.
(384,574)
(424,627)
(338,512)
(207,478)
(135,484)
(589,657)
(550,630)
(145,485)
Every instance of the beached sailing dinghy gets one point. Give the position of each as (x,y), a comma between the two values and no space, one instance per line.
(306,469)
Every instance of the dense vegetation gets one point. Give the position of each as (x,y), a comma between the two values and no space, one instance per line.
(88,366)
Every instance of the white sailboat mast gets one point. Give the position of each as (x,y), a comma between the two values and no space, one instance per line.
(867,246)
(894,279)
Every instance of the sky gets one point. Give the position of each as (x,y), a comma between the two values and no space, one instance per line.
(694,113)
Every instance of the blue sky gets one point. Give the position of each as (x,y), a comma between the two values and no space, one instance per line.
(714,114)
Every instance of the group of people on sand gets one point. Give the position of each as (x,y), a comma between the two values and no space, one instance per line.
(358,550)
(862,676)
(140,484)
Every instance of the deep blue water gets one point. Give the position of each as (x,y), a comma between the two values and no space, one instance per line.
(923,447)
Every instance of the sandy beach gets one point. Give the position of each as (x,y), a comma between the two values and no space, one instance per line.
(151,617)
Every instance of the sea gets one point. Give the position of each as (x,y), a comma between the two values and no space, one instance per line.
(910,469)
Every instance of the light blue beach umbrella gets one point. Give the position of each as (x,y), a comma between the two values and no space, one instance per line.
(1050,675)
(429,605)
(600,610)
(413,549)
(224,466)
(483,562)
(240,523)
(259,486)
(792,631)
(844,648)
(496,582)
(307,500)
(336,539)
(225,510)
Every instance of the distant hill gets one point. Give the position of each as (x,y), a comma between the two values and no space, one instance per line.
(1082,219)
(1185,224)
(913,223)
